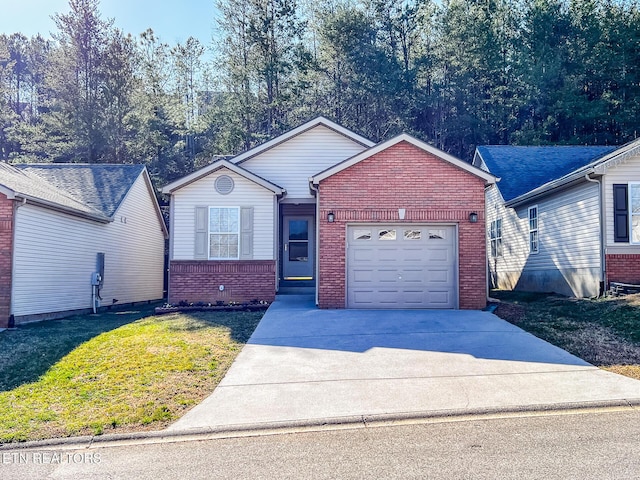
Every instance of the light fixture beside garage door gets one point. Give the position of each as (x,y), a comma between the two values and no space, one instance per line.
(473,217)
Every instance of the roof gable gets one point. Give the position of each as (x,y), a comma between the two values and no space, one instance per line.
(299,130)
(254,152)
(215,166)
(486,176)
(523,168)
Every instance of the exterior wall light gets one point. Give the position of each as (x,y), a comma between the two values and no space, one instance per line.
(331,217)
(473,217)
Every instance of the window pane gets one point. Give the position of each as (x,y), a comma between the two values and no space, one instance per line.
(233,219)
(499,228)
(533,219)
(361,234)
(387,235)
(214,220)
(298,230)
(436,234)
(494,251)
(412,234)
(492,233)
(499,247)
(533,241)
(223,245)
(298,251)
(635,229)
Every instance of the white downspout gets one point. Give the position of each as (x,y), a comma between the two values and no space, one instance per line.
(603,264)
(317,253)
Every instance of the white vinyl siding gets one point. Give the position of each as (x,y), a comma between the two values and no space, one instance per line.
(55,255)
(568,258)
(290,164)
(624,173)
(202,193)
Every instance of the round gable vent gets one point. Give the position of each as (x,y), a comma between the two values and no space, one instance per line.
(224,184)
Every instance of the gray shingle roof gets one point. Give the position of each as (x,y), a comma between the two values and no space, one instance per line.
(522,169)
(30,186)
(102,187)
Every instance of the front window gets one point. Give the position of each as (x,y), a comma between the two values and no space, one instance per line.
(534,243)
(224,235)
(634,211)
(496,238)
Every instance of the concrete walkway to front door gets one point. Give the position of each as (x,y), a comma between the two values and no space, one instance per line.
(308,366)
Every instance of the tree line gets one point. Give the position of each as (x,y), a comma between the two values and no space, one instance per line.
(455,73)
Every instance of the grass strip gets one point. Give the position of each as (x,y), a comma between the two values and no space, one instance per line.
(605,332)
(134,376)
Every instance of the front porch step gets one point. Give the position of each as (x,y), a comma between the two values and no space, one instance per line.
(296,290)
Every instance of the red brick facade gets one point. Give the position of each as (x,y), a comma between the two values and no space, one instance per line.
(623,268)
(430,189)
(6,250)
(243,280)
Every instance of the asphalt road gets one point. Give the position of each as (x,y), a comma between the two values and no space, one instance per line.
(594,445)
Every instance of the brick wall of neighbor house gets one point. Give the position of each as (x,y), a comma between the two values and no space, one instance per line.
(431,191)
(199,281)
(623,268)
(6,249)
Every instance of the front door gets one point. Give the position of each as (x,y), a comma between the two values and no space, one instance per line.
(297,248)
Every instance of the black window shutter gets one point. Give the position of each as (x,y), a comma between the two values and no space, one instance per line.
(620,213)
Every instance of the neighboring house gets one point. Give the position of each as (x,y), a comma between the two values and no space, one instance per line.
(563,219)
(321,209)
(61,223)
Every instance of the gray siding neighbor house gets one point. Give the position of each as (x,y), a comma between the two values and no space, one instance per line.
(563,219)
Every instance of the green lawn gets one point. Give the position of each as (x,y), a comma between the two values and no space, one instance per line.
(604,332)
(113,372)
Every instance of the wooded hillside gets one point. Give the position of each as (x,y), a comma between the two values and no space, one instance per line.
(456,73)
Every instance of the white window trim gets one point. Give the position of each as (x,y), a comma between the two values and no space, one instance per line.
(536,230)
(630,211)
(209,233)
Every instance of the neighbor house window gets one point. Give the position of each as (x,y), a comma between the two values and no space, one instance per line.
(496,238)
(224,233)
(533,230)
(634,211)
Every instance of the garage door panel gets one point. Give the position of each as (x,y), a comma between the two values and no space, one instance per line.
(361,275)
(412,276)
(441,298)
(415,268)
(443,276)
(363,254)
(439,254)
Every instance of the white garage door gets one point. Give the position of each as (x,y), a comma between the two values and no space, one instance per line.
(402,266)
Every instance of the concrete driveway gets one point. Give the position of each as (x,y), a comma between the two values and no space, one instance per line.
(303,365)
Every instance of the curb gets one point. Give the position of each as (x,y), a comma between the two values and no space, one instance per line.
(330,423)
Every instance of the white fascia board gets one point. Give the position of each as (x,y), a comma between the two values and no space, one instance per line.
(172,187)
(154,200)
(487,177)
(7,192)
(299,130)
(97,217)
(617,157)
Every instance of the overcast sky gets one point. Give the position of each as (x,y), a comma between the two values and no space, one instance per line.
(172,20)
